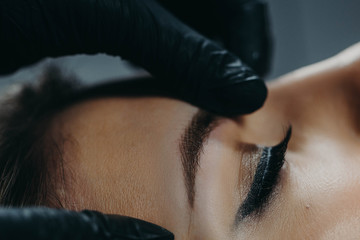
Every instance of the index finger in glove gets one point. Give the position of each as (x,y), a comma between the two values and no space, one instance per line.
(196,69)
(191,67)
(247,33)
(242,25)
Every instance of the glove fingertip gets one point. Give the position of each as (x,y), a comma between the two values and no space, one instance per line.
(243,98)
(123,226)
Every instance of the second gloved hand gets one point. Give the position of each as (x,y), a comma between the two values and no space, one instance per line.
(57,224)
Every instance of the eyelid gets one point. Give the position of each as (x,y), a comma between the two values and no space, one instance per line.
(265,179)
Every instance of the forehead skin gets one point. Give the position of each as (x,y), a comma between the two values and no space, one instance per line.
(122,157)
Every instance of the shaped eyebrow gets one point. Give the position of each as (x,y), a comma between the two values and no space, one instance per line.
(191,146)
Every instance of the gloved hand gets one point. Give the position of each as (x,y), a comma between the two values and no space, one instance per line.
(45,223)
(184,62)
(188,65)
(242,26)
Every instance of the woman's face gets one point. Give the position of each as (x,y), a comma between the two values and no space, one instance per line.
(143,157)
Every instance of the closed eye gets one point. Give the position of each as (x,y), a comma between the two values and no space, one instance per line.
(265,179)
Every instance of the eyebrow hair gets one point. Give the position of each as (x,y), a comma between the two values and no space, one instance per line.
(191,146)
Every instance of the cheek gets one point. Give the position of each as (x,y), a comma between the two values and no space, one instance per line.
(345,229)
(319,197)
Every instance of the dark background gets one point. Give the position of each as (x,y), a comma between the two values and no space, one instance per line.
(304,32)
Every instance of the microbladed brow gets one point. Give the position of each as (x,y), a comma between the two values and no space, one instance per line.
(191,145)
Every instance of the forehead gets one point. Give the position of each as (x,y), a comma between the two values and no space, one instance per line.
(126,147)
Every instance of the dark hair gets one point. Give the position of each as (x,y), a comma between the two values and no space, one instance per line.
(30,158)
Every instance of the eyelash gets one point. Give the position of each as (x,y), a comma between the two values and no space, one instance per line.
(266,176)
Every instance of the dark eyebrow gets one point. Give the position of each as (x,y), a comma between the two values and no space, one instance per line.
(191,145)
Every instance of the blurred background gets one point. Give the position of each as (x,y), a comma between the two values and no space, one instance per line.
(304,32)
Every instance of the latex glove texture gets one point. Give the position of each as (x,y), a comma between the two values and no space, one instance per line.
(188,65)
(241,26)
(45,223)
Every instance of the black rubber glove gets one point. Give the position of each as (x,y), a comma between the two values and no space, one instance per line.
(242,26)
(45,224)
(188,65)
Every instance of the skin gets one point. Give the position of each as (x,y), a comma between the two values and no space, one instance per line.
(121,156)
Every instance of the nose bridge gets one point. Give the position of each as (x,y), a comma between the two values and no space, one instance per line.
(320,104)
(296,104)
